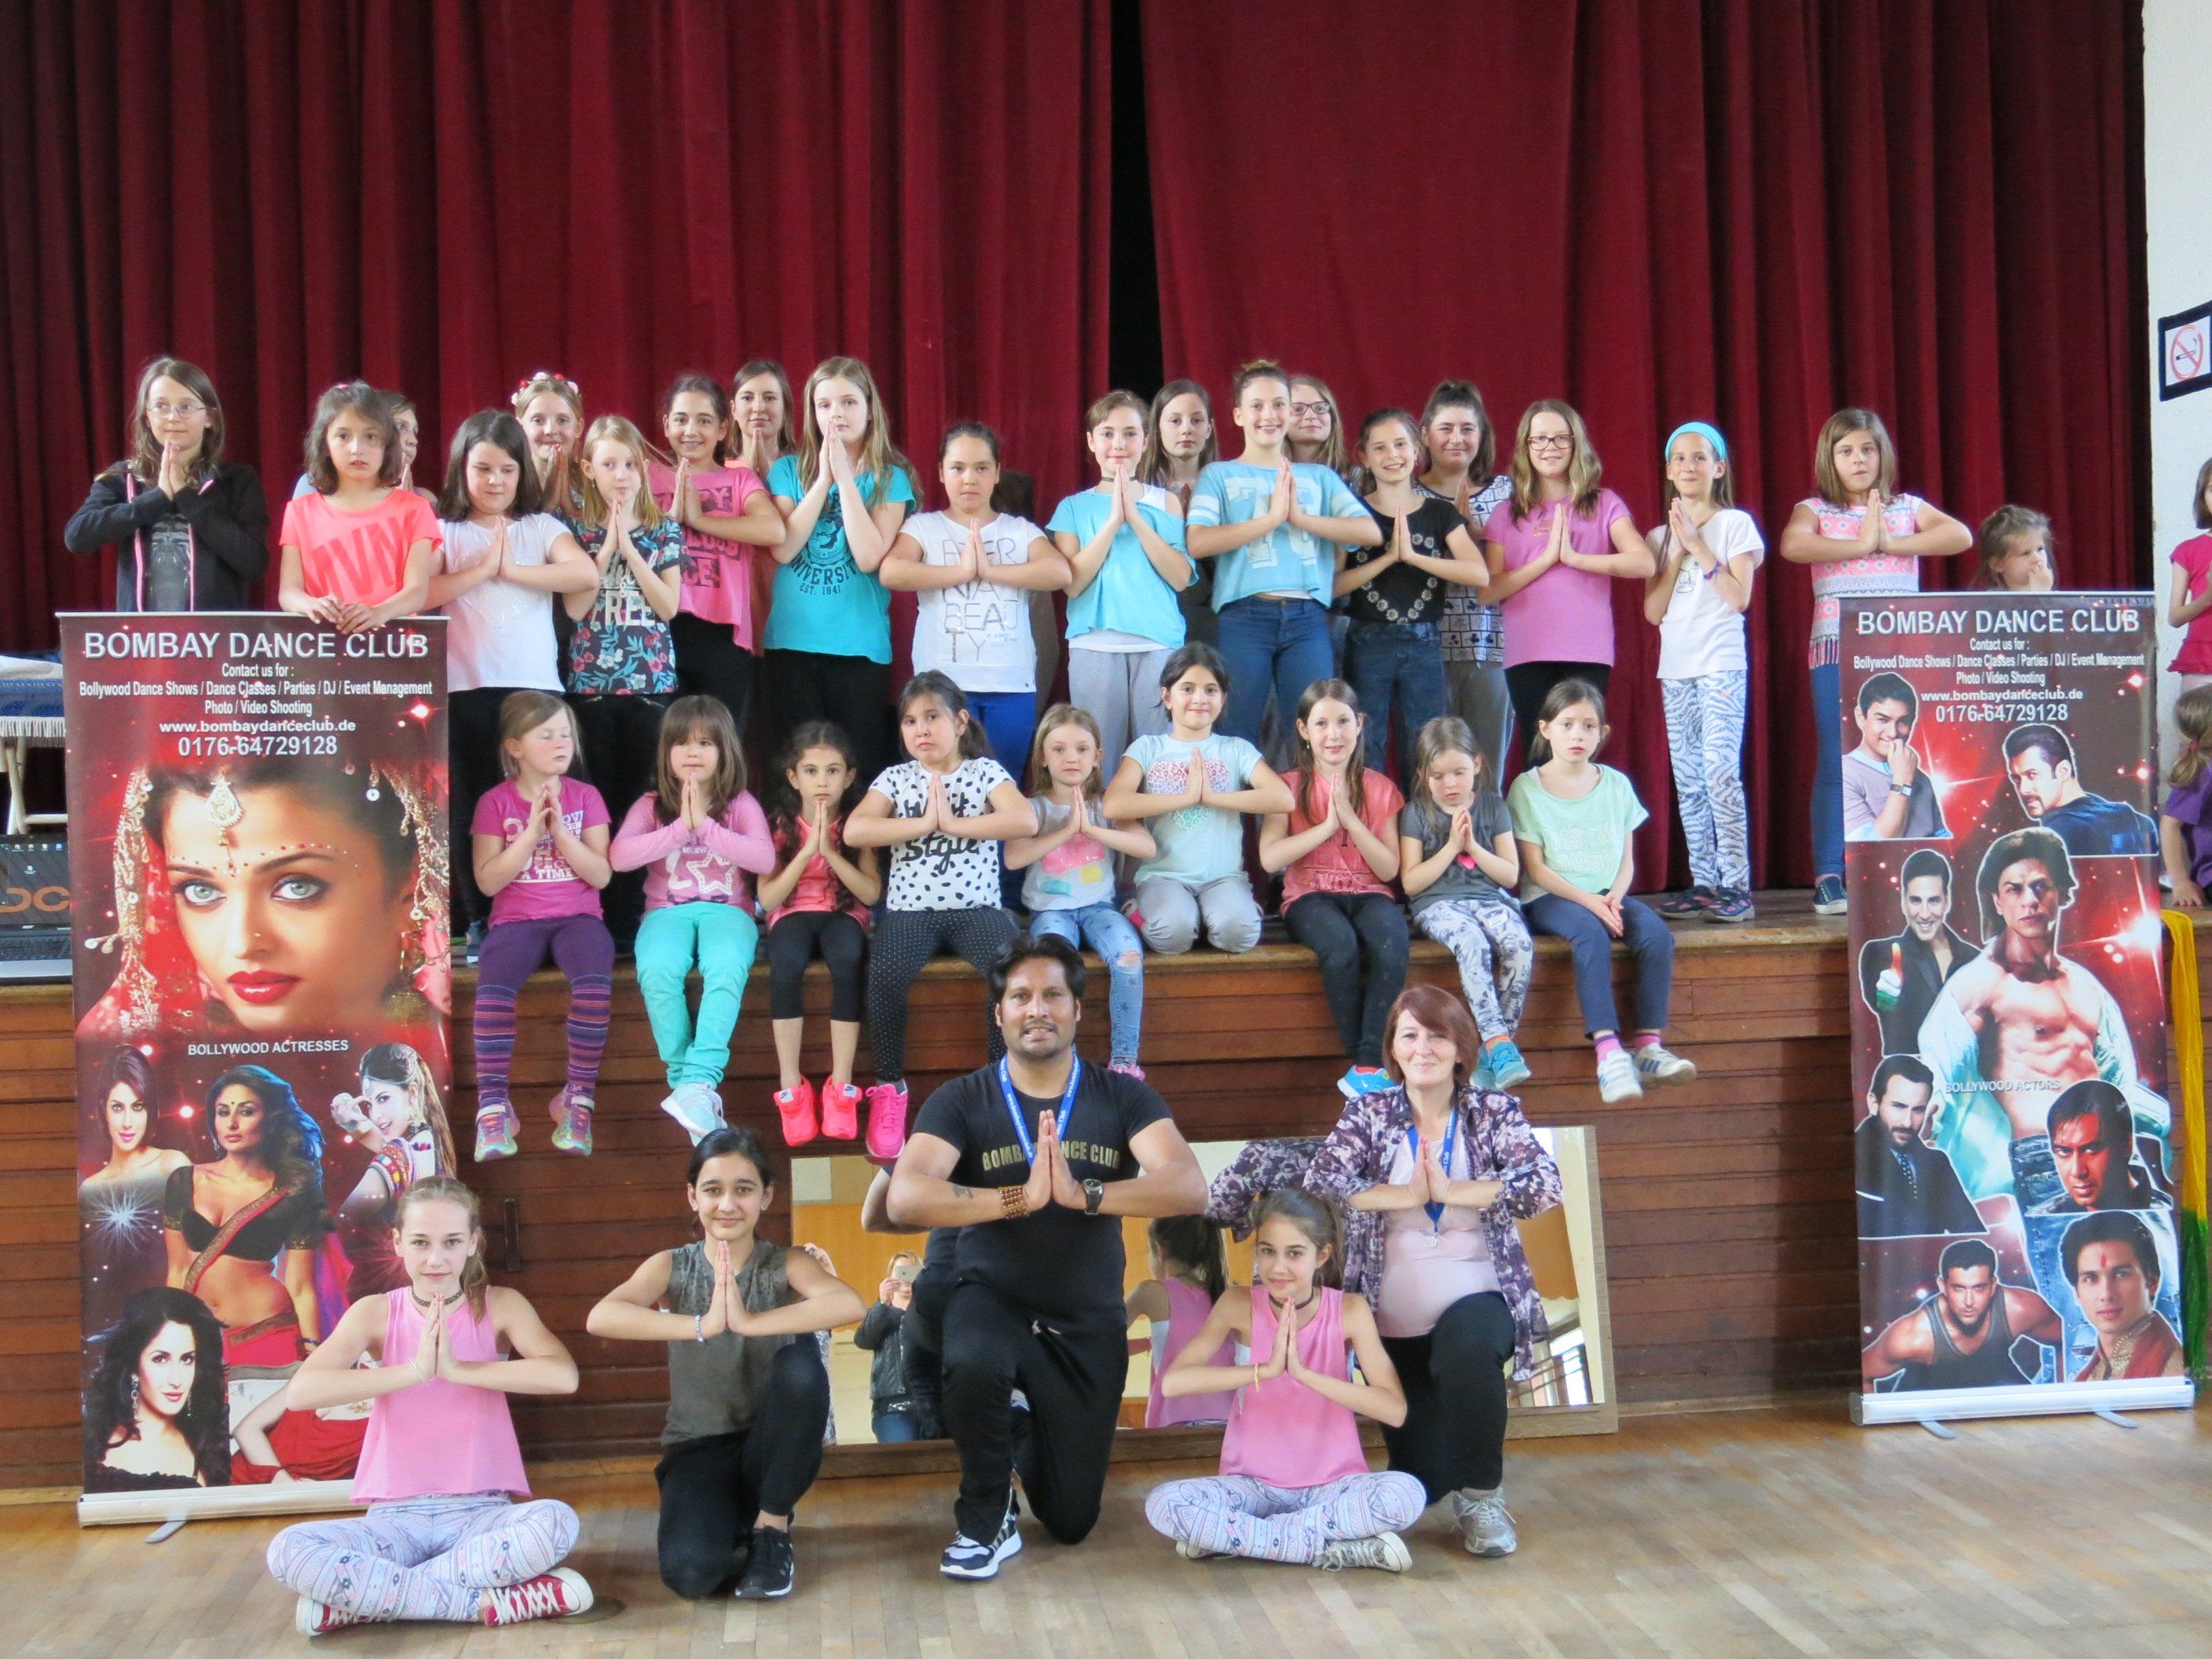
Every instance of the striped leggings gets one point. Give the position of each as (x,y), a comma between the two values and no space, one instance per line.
(1237,1515)
(423,1558)
(1704,742)
(581,948)
(1491,943)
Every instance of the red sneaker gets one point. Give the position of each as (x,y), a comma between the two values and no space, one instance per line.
(315,1618)
(796,1108)
(886,1121)
(841,1111)
(559,1594)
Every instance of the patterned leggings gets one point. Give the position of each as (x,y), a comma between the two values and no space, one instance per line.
(1491,943)
(1237,1515)
(905,941)
(1704,742)
(423,1558)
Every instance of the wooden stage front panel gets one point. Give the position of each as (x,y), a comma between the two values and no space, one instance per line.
(1728,1210)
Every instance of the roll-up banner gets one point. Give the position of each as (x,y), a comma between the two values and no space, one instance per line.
(263,978)
(2012,1149)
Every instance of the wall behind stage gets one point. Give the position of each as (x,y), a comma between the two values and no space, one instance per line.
(444,197)
(1748,212)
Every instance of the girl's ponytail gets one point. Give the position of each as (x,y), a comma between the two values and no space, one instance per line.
(2192,714)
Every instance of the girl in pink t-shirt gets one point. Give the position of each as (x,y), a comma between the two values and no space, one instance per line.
(359,551)
(1338,849)
(817,898)
(725,512)
(1190,1273)
(1294,1483)
(539,842)
(2191,607)
(1554,548)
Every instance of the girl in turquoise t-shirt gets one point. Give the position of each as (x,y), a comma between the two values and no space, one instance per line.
(843,497)
(1572,819)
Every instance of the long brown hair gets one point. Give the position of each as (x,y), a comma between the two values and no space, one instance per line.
(451,1189)
(1193,1241)
(787,438)
(400,1063)
(1585,473)
(351,397)
(1559,699)
(1153,464)
(1833,430)
(2001,529)
(145,462)
(691,720)
(1355,764)
(1464,394)
(1314,1216)
(1332,454)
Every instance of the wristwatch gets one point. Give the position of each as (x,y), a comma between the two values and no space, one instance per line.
(1094,1194)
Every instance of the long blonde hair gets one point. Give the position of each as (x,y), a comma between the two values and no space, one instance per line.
(450,1190)
(592,508)
(1585,473)
(1060,715)
(878,454)
(1332,454)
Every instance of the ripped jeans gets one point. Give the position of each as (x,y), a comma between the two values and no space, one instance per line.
(1113,937)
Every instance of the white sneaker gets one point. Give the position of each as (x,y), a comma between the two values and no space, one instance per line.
(315,1618)
(1616,1078)
(965,1558)
(1191,1551)
(696,1107)
(1484,1526)
(560,1593)
(1656,1065)
(1386,1552)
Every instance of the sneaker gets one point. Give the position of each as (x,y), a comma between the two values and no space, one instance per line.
(1484,1526)
(1733,905)
(472,942)
(1127,1069)
(1507,1068)
(1616,1078)
(1828,898)
(1687,907)
(560,1593)
(886,1121)
(796,1108)
(841,1111)
(1364,1080)
(696,1107)
(1184,1547)
(496,1127)
(966,1558)
(770,1573)
(1386,1552)
(572,1122)
(1656,1065)
(316,1618)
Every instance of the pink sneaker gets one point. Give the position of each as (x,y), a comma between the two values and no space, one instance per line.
(1129,1068)
(796,1108)
(886,1121)
(559,1594)
(841,1111)
(572,1122)
(496,1128)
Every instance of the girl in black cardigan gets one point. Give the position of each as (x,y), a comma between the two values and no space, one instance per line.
(190,529)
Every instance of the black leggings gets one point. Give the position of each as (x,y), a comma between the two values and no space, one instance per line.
(850,692)
(621,739)
(1454,1435)
(904,941)
(922,1334)
(473,770)
(1527,684)
(712,1488)
(1073,1380)
(709,660)
(1362,942)
(793,942)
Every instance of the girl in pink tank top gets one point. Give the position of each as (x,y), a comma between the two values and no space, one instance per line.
(1190,1272)
(1294,1483)
(440,1470)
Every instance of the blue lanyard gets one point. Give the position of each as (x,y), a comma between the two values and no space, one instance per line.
(1413,1145)
(1014,1106)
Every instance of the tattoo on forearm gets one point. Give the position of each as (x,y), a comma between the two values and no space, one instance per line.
(958,1191)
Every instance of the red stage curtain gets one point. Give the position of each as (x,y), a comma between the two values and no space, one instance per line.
(1742,211)
(443,197)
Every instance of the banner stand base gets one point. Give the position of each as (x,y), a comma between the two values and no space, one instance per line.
(168,1530)
(1937,1429)
(2116,1419)
(2104,1399)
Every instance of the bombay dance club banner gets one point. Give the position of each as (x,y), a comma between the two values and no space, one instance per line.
(2013,1148)
(257,838)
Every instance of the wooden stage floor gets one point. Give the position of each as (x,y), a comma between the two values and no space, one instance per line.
(1706,1537)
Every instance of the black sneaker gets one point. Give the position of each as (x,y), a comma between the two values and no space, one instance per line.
(1689,906)
(966,1558)
(768,1575)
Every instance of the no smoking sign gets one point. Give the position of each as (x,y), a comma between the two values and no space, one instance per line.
(2184,353)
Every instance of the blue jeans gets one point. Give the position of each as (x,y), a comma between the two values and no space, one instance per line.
(1272,645)
(1396,668)
(1112,935)
(893,1426)
(1649,940)
(1009,720)
(1828,770)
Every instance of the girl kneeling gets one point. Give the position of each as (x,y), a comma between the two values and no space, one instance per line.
(747,1404)
(439,1468)
(1294,1483)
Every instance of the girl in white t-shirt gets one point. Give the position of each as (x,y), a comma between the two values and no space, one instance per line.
(972,571)
(1708,550)
(502,562)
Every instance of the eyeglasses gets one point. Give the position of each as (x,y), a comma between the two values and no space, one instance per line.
(1563,441)
(176,411)
(1303,409)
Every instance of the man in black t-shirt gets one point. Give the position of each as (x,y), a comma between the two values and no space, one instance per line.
(1035,1160)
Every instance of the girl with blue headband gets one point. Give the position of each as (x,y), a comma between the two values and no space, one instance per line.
(1708,550)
